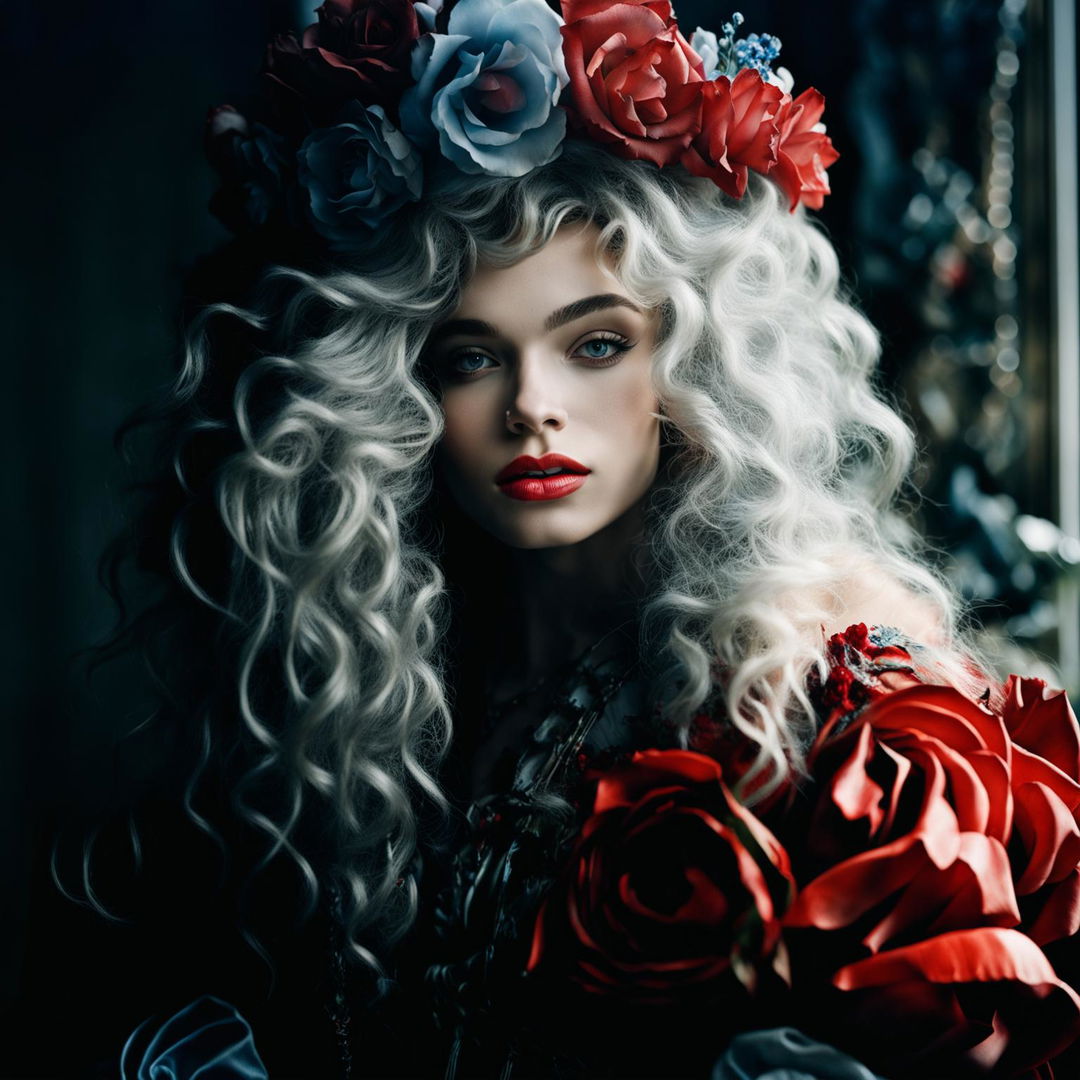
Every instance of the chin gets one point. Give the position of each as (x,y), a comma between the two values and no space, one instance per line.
(535,539)
(531,527)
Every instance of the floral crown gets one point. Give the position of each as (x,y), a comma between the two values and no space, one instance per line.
(379,95)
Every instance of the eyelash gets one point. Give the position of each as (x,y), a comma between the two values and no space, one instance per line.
(621,346)
(455,358)
(617,340)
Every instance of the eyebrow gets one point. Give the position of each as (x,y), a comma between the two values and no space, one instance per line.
(588,305)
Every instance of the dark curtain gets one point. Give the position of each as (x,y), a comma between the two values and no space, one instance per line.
(932,104)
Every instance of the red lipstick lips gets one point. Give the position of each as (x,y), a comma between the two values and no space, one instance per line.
(551,476)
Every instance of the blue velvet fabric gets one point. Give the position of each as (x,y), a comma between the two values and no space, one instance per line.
(786,1054)
(206,1040)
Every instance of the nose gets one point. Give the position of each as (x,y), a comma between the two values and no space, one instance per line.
(536,404)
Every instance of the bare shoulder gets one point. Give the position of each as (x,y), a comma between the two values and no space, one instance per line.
(877,599)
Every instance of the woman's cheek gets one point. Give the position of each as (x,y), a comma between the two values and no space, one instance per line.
(628,407)
(466,426)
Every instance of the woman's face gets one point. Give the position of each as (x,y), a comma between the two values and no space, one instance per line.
(545,372)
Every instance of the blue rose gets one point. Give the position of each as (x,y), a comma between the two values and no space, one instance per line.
(705,44)
(206,1040)
(786,1054)
(254,163)
(264,155)
(487,88)
(357,172)
(426,13)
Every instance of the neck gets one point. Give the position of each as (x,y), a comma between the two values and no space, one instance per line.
(562,600)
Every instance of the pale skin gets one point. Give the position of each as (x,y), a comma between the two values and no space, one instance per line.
(552,355)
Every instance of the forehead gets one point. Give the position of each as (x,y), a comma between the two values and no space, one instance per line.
(567,268)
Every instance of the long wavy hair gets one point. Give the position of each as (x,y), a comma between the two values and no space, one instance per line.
(289,518)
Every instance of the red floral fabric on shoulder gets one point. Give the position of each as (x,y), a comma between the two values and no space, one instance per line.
(863,664)
(866,663)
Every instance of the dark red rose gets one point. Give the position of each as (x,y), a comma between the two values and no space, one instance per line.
(803,154)
(358,50)
(634,80)
(671,885)
(911,804)
(738,131)
(1046,796)
(712,733)
(987,999)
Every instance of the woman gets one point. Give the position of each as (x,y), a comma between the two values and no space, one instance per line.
(562,485)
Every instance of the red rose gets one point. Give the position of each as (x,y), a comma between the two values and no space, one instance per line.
(359,49)
(634,80)
(1041,720)
(1046,795)
(928,817)
(580,9)
(738,131)
(803,154)
(987,998)
(671,884)
(912,805)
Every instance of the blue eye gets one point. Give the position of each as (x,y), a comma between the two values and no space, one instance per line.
(603,348)
(469,363)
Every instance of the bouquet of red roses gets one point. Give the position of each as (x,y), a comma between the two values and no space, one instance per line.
(907,898)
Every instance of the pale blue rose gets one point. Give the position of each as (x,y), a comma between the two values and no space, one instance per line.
(786,1054)
(357,173)
(486,90)
(425,14)
(704,43)
(206,1040)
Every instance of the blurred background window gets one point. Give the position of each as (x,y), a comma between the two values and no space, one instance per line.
(955,215)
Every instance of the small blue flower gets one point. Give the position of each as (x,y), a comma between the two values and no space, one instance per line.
(357,173)
(206,1040)
(486,90)
(757,52)
(728,55)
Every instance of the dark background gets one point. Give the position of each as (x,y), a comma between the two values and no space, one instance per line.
(104,196)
